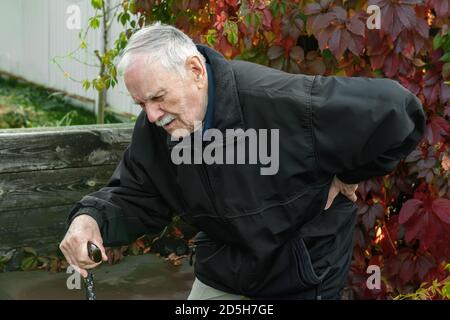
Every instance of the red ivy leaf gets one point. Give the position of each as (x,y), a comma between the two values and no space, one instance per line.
(275,52)
(437,128)
(423,265)
(267,18)
(441,208)
(232,3)
(407,271)
(442,7)
(339,42)
(431,93)
(422,28)
(356,26)
(322,21)
(406,16)
(397,16)
(356,44)
(408,209)
(312,8)
(375,211)
(426,219)
(297,54)
(367,186)
(391,64)
(445,93)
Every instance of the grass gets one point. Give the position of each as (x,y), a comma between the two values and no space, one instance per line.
(26,106)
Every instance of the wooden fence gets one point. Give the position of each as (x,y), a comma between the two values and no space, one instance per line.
(44,171)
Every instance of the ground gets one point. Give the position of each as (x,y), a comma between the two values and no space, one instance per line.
(24,105)
(136,277)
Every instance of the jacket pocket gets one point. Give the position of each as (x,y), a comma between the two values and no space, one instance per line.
(306,274)
(216,263)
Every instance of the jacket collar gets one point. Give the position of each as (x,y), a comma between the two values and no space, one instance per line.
(228,114)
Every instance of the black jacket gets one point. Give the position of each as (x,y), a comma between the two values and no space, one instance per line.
(266,236)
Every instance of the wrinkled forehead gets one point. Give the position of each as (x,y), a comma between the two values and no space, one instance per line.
(145,72)
(142,63)
(144,79)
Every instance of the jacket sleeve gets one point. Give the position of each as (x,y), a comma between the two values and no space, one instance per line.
(129,206)
(363,127)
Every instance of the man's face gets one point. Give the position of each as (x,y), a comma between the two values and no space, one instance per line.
(169,100)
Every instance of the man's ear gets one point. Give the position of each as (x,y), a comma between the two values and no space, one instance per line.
(196,68)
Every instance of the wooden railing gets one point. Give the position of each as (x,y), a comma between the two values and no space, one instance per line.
(44,171)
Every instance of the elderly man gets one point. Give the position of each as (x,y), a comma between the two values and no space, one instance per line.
(286,233)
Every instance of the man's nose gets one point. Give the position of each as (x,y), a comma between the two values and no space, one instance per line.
(154,113)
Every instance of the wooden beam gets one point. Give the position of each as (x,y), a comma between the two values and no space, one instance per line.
(45,188)
(62,147)
(40,228)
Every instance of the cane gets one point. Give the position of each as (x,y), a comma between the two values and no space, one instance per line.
(95,255)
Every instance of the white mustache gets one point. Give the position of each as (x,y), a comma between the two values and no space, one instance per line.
(167,119)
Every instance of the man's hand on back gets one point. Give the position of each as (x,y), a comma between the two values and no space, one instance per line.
(337,186)
(74,245)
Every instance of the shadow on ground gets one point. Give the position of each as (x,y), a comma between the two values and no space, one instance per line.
(136,277)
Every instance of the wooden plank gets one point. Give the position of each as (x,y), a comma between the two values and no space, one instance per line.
(50,187)
(62,147)
(40,228)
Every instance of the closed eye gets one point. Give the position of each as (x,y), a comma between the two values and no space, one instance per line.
(158,98)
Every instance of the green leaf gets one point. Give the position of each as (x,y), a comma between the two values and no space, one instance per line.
(230,29)
(43,260)
(283,7)
(275,8)
(99,84)
(132,7)
(446,291)
(29,263)
(4,259)
(122,41)
(302,16)
(107,82)
(124,18)
(94,23)
(97,4)
(30,250)
(438,41)
(211,37)
(135,250)
(113,71)
(83,44)
(327,54)
(86,84)
(445,57)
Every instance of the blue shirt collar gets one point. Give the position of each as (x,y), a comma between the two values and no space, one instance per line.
(208,122)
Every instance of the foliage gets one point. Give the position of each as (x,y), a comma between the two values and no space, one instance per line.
(102,20)
(173,243)
(27,258)
(430,291)
(23,105)
(170,243)
(403,218)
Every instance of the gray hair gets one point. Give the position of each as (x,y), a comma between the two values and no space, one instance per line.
(162,43)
